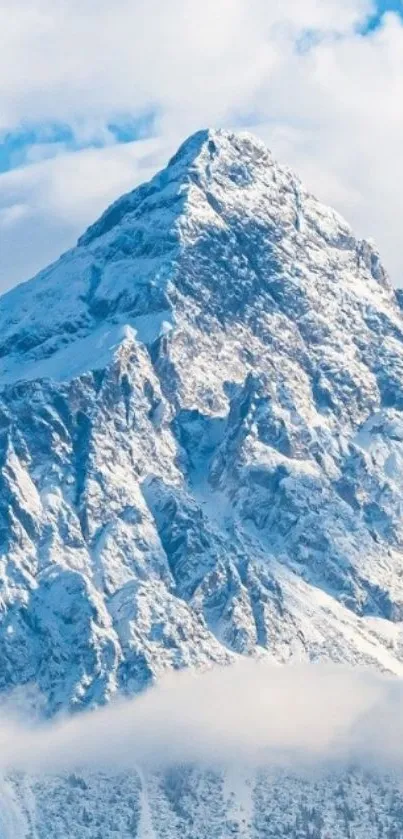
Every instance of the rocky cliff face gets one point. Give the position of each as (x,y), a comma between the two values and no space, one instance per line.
(201,438)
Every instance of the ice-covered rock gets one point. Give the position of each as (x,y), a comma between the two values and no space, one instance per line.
(201,437)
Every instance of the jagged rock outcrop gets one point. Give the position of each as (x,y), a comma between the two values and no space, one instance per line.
(201,448)
(201,436)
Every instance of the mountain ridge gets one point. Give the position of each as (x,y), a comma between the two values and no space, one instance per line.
(201,448)
(201,436)
(184,181)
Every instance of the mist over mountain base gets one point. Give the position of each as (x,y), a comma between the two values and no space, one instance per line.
(250,750)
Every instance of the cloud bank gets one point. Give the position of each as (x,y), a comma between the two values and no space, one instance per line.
(87,63)
(45,206)
(250,713)
(306,75)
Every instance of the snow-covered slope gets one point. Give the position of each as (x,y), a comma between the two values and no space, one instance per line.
(201,437)
(199,804)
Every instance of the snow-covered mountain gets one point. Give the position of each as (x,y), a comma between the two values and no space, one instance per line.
(201,418)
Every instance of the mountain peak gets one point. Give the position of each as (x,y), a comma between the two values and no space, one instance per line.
(223,230)
(205,155)
(201,449)
(201,404)
(209,144)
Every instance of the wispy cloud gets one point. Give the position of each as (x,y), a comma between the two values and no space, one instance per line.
(84,61)
(296,717)
(45,206)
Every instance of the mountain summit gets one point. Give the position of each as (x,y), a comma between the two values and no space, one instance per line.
(201,444)
(201,437)
(221,201)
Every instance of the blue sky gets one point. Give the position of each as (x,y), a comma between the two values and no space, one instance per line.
(32,143)
(390,5)
(386,6)
(95,103)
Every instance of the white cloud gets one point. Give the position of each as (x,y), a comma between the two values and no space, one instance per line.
(45,206)
(342,128)
(87,60)
(332,111)
(292,716)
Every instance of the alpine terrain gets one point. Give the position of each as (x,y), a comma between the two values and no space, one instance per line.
(201,443)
